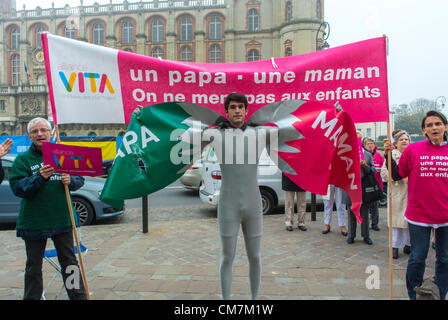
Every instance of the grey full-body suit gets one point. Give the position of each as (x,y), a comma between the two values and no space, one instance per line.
(240,199)
(240,202)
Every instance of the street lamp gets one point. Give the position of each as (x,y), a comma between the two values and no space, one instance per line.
(441,100)
(322,27)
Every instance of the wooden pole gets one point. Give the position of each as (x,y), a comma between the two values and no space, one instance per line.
(389,200)
(389,205)
(75,233)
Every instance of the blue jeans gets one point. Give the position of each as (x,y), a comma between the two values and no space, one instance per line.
(420,239)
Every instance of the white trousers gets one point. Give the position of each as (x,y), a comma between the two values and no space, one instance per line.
(400,237)
(335,196)
(289,208)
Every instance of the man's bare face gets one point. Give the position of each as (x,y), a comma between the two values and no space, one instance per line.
(39,133)
(236,113)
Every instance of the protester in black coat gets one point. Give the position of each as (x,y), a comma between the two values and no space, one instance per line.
(292,190)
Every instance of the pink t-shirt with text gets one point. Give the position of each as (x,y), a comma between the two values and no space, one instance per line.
(426,166)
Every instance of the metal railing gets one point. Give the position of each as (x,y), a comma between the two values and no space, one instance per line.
(37,88)
(106,8)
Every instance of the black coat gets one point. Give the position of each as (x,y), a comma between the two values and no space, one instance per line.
(288,185)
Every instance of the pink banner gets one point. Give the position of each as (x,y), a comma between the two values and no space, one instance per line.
(104,85)
(80,161)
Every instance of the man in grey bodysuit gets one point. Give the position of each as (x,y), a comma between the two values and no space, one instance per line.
(240,200)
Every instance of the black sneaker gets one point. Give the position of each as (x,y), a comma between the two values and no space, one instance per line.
(350,240)
(368,241)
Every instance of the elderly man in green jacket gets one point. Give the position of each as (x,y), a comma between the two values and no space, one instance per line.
(44,213)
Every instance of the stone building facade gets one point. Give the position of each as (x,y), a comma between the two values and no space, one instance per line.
(184,30)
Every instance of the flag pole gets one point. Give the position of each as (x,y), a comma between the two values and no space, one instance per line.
(389,198)
(75,233)
(389,205)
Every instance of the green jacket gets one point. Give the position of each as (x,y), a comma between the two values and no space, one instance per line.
(44,204)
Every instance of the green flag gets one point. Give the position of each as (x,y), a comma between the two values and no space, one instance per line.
(159,145)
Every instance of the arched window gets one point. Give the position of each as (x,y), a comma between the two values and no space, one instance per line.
(128,32)
(186,53)
(92,134)
(253,55)
(288,52)
(39,31)
(157,30)
(15,70)
(253,20)
(98,33)
(288,13)
(215,54)
(15,39)
(69,32)
(186,29)
(215,28)
(157,52)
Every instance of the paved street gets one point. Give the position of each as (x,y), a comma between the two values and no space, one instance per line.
(178,259)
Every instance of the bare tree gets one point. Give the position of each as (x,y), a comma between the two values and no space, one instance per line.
(409,116)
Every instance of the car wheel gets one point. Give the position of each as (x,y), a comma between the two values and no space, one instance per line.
(267,201)
(84,209)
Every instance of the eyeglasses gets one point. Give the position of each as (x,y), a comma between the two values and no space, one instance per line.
(43,130)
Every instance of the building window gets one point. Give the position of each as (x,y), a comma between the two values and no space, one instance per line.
(127,33)
(2,106)
(369,132)
(288,13)
(186,54)
(288,52)
(98,33)
(92,134)
(15,70)
(157,30)
(41,79)
(157,52)
(15,39)
(39,31)
(215,28)
(253,20)
(253,55)
(69,32)
(319,10)
(215,54)
(186,29)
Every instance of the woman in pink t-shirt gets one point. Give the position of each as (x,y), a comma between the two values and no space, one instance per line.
(425,164)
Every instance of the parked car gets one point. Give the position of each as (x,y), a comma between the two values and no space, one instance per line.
(85,200)
(192,178)
(107,166)
(269,182)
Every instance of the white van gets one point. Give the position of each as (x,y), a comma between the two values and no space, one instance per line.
(269,182)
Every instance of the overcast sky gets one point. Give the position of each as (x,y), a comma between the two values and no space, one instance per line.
(418,45)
